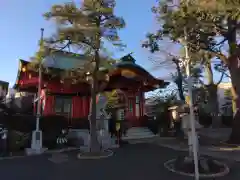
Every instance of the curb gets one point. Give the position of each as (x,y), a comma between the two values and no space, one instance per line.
(46,152)
(200,152)
(61,150)
(11,157)
(172,147)
(148,140)
(220,174)
(225,143)
(80,156)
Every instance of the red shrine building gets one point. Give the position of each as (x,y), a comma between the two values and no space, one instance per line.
(73,100)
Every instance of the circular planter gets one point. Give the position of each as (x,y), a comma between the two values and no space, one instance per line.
(223,169)
(229,145)
(99,155)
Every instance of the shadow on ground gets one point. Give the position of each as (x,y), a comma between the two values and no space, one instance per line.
(132,162)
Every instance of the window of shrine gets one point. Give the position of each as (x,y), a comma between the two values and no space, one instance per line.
(121,115)
(63,105)
(137,100)
(130,107)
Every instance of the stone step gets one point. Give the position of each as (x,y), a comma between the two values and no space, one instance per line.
(138,133)
(138,129)
(138,137)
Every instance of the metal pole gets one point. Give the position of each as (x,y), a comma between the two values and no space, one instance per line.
(192,121)
(39,88)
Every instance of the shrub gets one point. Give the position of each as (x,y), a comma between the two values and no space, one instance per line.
(143,120)
(51,127)
(53,123)
(18,141)
(153,125)
(80,123)
(205,119)
(20,125)
(227,120)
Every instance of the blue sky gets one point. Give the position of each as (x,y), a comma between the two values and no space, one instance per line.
(21,22)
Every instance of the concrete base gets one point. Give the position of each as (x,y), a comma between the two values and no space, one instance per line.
(81,134)
(30,151)
(36,144)
(36,140)
(84,148)
(114,146)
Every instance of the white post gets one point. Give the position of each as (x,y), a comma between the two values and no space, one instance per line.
(39,97)
(192,123)
(137,108)
(36,144)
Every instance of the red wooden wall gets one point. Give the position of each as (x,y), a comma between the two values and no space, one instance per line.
(81,105)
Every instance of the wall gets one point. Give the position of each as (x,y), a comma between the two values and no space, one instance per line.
(222,87)
(22,100)
(3,89)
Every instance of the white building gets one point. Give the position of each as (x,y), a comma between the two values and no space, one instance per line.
(222,87)
(21,99)
(3,89)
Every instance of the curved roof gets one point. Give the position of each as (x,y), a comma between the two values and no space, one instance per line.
(128,62)
(20,65)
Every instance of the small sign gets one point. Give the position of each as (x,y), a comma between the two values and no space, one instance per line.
(118,126)
(38,115)
(38,136)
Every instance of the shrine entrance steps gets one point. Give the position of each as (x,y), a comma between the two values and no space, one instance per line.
(138,133)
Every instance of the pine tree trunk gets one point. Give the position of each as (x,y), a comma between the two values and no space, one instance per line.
(94,144)
(179,81)
(214,106)
(233,92)
(235,72)
(212,95)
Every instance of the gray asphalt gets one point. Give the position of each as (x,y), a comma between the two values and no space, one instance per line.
(132,162)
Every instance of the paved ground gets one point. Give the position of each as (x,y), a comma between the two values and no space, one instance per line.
(133,162)
(217,151)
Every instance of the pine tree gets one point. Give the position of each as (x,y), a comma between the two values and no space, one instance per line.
(205,20)
(88,28)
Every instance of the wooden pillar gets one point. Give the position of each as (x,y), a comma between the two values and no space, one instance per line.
(142,104)
(77,108)
(137,105)
(86,105)
(34,105)
(134,106)
(49,107)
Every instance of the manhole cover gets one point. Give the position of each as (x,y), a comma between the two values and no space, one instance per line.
(58,158)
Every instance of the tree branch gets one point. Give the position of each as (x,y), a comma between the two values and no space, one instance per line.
(221,78)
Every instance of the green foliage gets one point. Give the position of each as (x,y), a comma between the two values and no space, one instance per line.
(84,30)
(162,102)
(87,26)
(202,25)
(87,29)
(112,98)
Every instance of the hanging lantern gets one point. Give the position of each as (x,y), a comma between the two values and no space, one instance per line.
(24,69)
(187,99)
(128,74)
